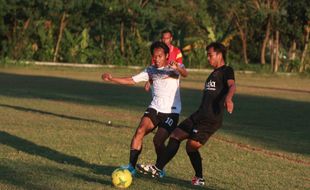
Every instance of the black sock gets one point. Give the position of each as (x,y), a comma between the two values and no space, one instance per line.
(134,154)
(160,151)
(169,153)
(196,162)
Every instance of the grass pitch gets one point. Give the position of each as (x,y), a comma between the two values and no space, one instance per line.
(54,132)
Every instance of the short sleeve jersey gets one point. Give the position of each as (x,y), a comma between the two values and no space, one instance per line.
(166,88)
(216,88)
(175,54)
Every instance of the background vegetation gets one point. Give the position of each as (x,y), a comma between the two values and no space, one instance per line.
(268,35)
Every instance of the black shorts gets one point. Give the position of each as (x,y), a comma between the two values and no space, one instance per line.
(168,121)
(199,131)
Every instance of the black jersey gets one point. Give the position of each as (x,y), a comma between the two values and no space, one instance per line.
(216,88)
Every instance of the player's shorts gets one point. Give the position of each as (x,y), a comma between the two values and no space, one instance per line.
(168,121)
(199,131)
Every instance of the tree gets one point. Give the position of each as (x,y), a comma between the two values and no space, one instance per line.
(235,13)
(296,29)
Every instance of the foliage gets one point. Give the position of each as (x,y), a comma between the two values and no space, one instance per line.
(120,32)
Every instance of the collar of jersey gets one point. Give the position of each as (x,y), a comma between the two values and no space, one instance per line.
(160,68)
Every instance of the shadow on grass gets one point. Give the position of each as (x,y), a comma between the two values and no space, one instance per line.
(10,176)
(77,91)
(184,183)
(29,147)
(48,153)
(275,123)
(280,124)
(17,173)
(20,108)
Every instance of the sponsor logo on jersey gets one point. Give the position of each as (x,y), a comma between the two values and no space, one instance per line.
(211,85)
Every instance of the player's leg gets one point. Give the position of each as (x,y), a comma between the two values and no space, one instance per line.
(145,127)
(172,148)
(180,133)
(192,147)
(183,131)
(159,141)
(159,144)
(167,123)
(197,139)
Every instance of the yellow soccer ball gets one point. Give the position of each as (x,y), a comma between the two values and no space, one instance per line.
(121,178)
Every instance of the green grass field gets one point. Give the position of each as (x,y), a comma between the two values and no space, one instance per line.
(54,132)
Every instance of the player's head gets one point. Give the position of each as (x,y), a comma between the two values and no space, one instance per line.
(216,54)
(160,53)
(166,37)
(159,44)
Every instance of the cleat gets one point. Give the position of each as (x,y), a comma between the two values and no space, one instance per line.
(143,168)
(129,167)
(151,170)
(198,181)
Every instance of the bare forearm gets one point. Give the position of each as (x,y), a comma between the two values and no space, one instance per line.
(228,100)
(123,80)
(183,72)
(176,66)
(231,91)
(119,80)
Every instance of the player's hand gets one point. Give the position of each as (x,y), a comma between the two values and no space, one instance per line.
(174,65)
(229,105)
(106,76)
(147,86)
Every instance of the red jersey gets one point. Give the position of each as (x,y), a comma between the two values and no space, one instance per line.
(175,54)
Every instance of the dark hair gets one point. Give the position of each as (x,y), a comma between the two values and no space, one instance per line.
(166,31)
(218,48)
(159,44)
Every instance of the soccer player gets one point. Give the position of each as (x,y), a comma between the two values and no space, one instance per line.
(202,124)
(164,110)
(175,56)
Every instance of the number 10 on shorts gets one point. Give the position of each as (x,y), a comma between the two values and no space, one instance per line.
(169,121)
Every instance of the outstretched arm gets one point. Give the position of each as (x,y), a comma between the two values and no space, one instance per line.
(228,100)
(176,66)
(119,80)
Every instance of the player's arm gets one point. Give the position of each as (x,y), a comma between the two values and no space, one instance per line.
(176,66)
(231,91)
(118,80)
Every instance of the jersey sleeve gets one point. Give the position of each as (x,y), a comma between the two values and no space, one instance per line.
(229,73)
(179,57)
(143,76)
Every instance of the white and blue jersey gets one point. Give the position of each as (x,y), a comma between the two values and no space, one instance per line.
(166,88)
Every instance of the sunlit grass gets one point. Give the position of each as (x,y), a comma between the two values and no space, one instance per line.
(54,132)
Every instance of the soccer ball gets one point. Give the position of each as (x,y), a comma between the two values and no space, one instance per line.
(121,178)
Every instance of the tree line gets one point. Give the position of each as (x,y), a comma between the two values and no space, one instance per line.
(271,34)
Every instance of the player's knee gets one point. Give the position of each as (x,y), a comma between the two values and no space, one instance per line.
(192,146)
(140,132)
(157,142)
(175,136)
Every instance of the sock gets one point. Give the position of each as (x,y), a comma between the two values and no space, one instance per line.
(134,154)
(160,151)
(196,162)
(169,153)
